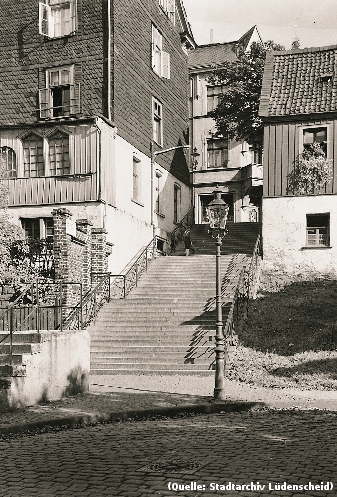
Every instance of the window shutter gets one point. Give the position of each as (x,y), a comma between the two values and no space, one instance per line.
(171,10)
(73,15)
(75,99)
(165,60)
(45,103)
(44,19)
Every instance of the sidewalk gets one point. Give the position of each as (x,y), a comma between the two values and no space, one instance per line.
(133,397)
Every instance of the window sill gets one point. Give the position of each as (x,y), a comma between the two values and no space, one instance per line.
(160,214)
(316,247)
(137,202)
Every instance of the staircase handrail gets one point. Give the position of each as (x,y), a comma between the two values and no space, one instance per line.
(244,292)
(176,235)
(122,284)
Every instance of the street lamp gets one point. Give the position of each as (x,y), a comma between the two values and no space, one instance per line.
(217,211)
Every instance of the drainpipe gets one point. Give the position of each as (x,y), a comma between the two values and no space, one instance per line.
(109,60)
(152,192)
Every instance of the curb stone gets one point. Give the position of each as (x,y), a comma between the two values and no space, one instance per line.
(128,415)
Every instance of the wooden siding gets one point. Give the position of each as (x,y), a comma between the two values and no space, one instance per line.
(282,146)
(52,190)
(81,185)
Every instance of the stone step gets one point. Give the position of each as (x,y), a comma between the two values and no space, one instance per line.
(151,366)
(21,337)
(23,348)
(5,359)
(12,370)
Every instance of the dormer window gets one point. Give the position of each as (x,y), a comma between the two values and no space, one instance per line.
(57,18)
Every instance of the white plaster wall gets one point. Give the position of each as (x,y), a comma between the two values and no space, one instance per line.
(284,232)
(62,359)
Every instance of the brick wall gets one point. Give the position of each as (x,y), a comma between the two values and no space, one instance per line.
(80,253)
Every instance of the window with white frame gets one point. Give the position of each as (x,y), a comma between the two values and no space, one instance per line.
(61,97)
(318,230)
(160,59)
(136,184)
(8,162)
(169,7)
(213,95)
(59,162)
(57,18)
(33,160)
(217,153)
(157,122)
(315,135)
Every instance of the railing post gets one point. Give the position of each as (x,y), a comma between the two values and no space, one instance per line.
(81,307)
(11,319)
(124,286)
(61,306)
(37,307)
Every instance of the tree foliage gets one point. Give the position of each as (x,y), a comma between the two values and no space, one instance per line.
(12,270)
(312,171)
(237,113)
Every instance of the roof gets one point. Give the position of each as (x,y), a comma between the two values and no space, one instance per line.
(215,54)
(298,82)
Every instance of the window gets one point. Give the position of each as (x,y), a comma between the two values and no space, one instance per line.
(176,203)
(61,96)
(318,230)
(157,122)
(59,154)
(57,18)
(136,193)
(160,59)
(36,227)
(213,94)
(315,135)
(8,161)
(33,163)
(169,7)
(217,153)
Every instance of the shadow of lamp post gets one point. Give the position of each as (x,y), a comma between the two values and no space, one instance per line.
(217,211)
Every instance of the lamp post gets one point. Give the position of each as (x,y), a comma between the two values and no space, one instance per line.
(217,211)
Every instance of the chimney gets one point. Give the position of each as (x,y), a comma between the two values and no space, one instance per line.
(211,36)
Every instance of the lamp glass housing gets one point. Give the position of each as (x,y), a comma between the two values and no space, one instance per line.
(217,212)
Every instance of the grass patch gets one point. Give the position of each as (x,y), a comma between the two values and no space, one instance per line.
(290,337)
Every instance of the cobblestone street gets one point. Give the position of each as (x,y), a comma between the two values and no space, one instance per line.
(154,457)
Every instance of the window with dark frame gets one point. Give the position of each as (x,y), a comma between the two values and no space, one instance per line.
(33,160)
(157,122)
(37,228)
(315,135)
(213,95)
(318,230)
(217,153)
(59,162)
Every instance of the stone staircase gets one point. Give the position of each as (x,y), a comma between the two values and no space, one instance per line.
(167,324)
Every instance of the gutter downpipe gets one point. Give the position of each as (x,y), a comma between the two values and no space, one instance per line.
(109,60)
(152,192)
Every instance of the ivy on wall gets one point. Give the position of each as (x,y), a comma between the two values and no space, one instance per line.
(312,171)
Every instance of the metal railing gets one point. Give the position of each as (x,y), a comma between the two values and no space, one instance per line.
(122,284)
(176,236)
(244,293)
